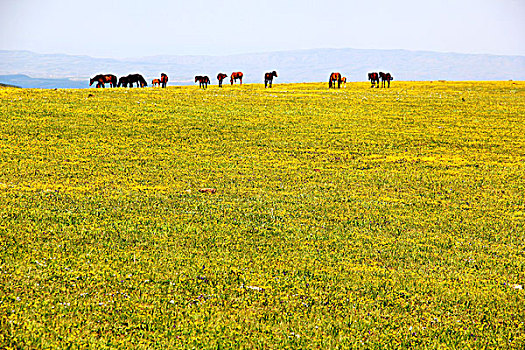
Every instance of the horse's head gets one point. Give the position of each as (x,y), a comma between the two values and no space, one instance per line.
(91,81)
(274,73)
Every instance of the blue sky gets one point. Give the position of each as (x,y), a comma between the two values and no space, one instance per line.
(129,28)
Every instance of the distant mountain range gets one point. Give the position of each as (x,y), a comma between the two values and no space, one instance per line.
(29,69)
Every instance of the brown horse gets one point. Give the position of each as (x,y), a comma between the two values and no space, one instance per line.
(203,81)
(335,77)
(374,78)
(221,77)
(234,76)
(163,79)
(102,79)
(155,82)
(385,78)
(343,80)
(268,78)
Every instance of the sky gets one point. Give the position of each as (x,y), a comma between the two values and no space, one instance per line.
(132,28)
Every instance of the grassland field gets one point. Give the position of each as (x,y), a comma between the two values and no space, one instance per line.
(352,218)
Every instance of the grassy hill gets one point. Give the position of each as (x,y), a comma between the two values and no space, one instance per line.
(352,218)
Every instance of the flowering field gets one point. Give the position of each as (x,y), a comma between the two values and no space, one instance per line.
(364,218)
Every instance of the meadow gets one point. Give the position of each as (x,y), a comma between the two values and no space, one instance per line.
(351,218)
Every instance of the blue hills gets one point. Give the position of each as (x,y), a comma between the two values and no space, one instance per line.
(33,70)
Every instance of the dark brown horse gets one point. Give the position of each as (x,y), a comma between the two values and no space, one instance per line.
(136,78)
(343,80)
(203,81)
(234,76)
(268,78)
(335,77)
(374,78)
(385,78)
(122,81)
(102,79)
(221,77)
(155,82)
(163,79)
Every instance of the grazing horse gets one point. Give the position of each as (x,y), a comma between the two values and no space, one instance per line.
(268,78)
(335,77)
(102,79)
(374,78)
(155,82)
(234,76)
(221,77)
(123,81)
(136,78)
(385,77)
(203,81)
(163,79)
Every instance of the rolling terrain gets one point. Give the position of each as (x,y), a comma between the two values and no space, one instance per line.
(293,66)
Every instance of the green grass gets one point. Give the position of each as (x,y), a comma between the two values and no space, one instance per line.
(356,218)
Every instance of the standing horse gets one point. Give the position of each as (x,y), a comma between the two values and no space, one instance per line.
(102,79)
(136,78)
(268,78)
(221,77)
(374,78)
(234,76)
(385,78)
(335,77)
(155,82)
(163,79)
(203,81)
(343,80)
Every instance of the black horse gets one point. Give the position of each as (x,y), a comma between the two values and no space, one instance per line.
(374,78)
(163,79)
(102,79)
(221,77)
(385,78)
(123,81)
(268,78)
(203,81)
(138,79)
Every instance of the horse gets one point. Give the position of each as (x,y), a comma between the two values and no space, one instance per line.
(221,77)
(136,78)
(385,77)
(203,81)
(234,76)
(343,80)
(335,77)
(155,82)
(101,79)
(268,78)
(163,79)
(374,78)
(123,81)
